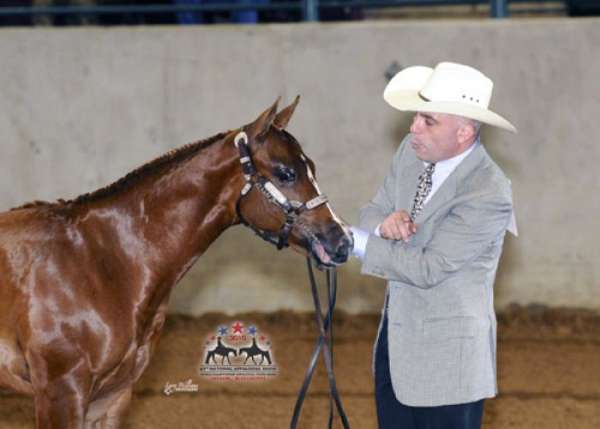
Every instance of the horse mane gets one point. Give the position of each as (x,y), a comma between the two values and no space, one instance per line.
(176,156)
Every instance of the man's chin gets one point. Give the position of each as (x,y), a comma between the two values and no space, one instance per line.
(419,151)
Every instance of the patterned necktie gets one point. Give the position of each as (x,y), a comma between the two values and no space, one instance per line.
(423,190)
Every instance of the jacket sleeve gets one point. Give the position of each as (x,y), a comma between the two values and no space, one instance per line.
(475,222)
(382,205)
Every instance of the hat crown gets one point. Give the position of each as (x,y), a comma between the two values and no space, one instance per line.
(458,83)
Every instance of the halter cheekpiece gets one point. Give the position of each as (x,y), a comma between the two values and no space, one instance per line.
(291,208)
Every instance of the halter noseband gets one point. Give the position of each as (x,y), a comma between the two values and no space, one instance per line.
(291,208)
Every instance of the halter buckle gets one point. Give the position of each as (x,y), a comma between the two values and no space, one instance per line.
(240,137)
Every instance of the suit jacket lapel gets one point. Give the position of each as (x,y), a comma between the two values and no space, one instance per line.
(407,184)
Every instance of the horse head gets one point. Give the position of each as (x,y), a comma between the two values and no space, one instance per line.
(281,200)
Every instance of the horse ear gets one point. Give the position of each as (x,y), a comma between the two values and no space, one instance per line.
(283,117)
(262,124)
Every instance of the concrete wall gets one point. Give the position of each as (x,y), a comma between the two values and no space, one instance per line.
(81,107)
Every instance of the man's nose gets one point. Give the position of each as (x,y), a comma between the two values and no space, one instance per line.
(416,125)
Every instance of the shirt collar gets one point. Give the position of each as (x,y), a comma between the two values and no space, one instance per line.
(448,165)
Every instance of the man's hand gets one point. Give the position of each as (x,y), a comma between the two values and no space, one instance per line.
(397,226)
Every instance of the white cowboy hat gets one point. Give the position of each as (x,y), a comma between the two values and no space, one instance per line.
(448,88)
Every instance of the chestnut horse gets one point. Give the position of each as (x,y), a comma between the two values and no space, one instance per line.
(84,284)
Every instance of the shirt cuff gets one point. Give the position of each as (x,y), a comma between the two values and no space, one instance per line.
(360,242)
(377,232)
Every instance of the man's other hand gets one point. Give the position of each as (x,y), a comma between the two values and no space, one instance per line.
(397,226)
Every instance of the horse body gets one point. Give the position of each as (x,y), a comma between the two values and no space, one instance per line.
(89,283)
(84,284)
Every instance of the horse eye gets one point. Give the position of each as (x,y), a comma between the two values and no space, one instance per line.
(285,174)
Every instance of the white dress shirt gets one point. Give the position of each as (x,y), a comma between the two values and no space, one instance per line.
(444,168)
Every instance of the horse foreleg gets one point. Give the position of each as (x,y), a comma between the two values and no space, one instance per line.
(61,389)
(118,410)
(109,412)
(59,406)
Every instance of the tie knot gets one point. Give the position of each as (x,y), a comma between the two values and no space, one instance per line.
(430,168)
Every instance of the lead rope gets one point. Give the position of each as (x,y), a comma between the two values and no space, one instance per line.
(291,210)
(325,342)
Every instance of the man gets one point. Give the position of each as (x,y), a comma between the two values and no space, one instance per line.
(435,230)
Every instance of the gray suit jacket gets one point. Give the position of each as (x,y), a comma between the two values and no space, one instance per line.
(441,320)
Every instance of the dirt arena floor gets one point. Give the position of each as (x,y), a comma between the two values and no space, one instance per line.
(548,369)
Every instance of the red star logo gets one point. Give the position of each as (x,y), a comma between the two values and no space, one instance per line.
(238,328)
(262,337)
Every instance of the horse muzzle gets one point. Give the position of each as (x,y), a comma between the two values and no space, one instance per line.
(332,248)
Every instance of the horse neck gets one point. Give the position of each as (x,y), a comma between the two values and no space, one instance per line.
(163,222)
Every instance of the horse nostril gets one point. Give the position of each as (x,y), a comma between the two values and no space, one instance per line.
(337,244)
(342,250)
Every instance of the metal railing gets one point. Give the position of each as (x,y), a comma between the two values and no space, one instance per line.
(309,9)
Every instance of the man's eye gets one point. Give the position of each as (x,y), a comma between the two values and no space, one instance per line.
(285,174)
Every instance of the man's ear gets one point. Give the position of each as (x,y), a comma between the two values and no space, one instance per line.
(283,118)
(465,133)
(257,129)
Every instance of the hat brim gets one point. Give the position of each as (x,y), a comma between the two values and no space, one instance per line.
(402,93)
